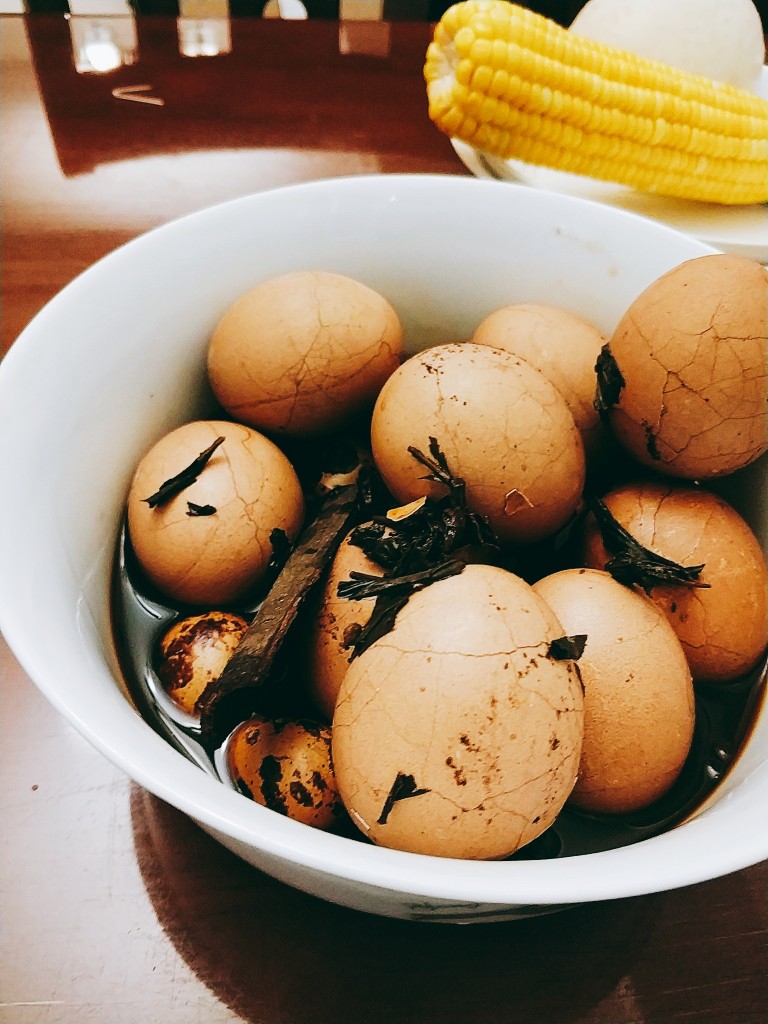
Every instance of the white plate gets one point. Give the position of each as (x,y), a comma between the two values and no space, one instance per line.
(740,229)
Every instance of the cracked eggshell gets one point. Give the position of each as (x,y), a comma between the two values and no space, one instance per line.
(503,427)
(286,766)
(336,619)
(461,696)
(692,350)
(559,344)
(213,559)
(723,629)
(638,692)
(304,352)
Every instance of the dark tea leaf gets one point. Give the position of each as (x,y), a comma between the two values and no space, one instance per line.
(403,788)
(439,472)
(281,548)
(249,666)
(176,484)
(635,565)
(391,595)
(200,510)
(610,382)
(381,622)
(361,585)
(433,532)
(567,648)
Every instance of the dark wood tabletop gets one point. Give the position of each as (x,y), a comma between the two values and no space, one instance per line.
(115,907)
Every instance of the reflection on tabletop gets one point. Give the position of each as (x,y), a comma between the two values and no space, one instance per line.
(294,78)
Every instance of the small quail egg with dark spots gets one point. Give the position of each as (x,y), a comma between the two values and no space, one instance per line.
(286,766)
(193,654)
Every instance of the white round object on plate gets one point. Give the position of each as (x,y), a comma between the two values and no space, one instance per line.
(722,39)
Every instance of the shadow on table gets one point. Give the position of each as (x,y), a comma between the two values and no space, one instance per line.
(276,955)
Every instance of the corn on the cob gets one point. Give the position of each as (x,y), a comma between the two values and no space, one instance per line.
(517,85)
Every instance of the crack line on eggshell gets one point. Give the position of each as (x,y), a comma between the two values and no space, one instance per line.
(713,389)
(707,641)
(656,427)
(247,506)
(749,450)
(431,651)
(690,557)
(654,516)
(469,808)
(360,710)
(448,428)
(538,695)
(312,384)
(495,797)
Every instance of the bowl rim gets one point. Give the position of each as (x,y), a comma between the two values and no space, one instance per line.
(687,854)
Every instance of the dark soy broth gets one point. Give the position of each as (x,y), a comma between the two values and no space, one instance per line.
(724,715)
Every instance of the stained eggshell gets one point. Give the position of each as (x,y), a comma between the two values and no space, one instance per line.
(462,706)
(638,692)
(193,653)
(503,427)
(217,558)
(692,354)
(335,623)
(303,352)
(559,344)
(286,766)
(723,629)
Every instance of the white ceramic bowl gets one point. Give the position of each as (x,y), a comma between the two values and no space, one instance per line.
(117,359)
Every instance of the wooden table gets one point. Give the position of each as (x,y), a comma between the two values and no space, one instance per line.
(116,909)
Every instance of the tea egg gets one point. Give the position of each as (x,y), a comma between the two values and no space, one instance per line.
(457,733)
(563,346)
(193,653)
(724,627)
(247,489)
(689,369)
(638,692)
(286,766)
(335,625)
(502,426)
(301,353)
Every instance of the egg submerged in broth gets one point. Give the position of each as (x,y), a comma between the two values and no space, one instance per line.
(638,702)
(458,733)
(208,542)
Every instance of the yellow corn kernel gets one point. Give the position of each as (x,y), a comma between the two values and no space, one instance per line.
(517,85)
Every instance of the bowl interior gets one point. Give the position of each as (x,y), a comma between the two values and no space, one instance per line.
(117,359)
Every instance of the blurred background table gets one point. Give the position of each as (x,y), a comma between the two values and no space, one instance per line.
(115,908)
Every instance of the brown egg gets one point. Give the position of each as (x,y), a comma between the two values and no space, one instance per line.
(335,626)
(559,344)
(503,427)
(193,653)
(212,557)
(638,693)
(457,733)
(286,766)
(689,380)
(303,352)
(723,629)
